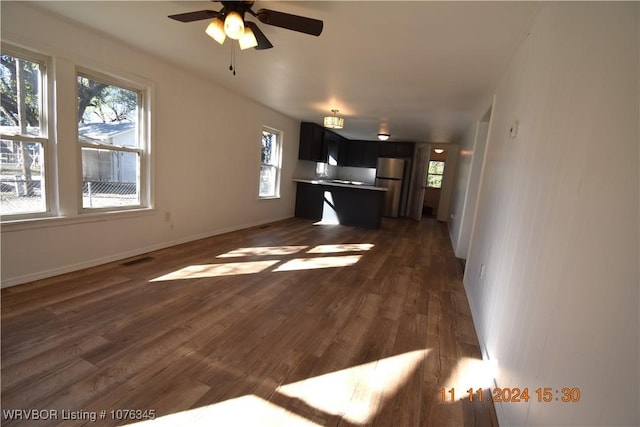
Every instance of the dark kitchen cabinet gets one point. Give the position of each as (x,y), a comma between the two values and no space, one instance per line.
(362,154)
(309,201)
(322,145)
(334,144)
(312,145)
(350,205)
(396,149)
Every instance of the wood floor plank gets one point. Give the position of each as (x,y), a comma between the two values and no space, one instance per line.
(285,317)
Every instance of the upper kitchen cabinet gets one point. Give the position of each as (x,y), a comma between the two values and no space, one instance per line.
(363,154)
(396,149)
(312,145)
(335,146)
(320,145)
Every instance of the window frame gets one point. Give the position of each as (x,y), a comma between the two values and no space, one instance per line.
(435,174)
(277,165)
(48,175)
(143,149)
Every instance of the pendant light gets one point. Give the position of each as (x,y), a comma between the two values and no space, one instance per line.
(334,122)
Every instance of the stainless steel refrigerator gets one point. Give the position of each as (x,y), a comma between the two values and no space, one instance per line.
(389,173)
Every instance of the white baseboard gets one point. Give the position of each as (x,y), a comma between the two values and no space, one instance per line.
(39,275)
(485,354)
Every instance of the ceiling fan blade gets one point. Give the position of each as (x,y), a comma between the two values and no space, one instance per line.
(195,16)
(290,22)
(263,42)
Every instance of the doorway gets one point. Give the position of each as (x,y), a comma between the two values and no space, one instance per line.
(433,184)
(432,181)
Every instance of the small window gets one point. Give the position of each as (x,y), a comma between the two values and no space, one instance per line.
(24,143)
(434,177)
(112,144)
(270,158)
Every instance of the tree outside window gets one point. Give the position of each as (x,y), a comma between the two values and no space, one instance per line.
(110,142)
(24,140)
(435,174)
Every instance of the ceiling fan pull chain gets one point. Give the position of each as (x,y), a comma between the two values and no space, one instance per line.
(232,65)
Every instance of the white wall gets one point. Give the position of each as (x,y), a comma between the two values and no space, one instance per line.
(558,221)
(448,179)
(206,152)
(467,186)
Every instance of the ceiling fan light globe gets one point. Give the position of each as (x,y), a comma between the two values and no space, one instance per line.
(215,30)
(234,26)
(248,39)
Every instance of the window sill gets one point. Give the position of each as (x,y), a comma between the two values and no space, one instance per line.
(269,198)
(45,222)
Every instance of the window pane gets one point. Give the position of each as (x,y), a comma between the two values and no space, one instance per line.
(107,114)
(269,148)
(109,178)
(436,167)
(434,181)
(20,93)
(268,177)
(21,178)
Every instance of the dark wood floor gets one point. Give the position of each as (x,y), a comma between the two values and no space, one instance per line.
(246,328)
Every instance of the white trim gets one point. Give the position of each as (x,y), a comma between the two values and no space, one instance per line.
(123,255)
(58,221)
(144,91)
(277,164)
(49,183)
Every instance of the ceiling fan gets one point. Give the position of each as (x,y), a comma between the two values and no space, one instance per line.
(230,22)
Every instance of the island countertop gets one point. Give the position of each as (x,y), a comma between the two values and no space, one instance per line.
(341,183)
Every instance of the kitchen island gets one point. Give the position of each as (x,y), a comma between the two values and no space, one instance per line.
(340,202)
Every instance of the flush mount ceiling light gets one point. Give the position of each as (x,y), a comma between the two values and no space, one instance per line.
(438,150)
(384,136)
(334,122)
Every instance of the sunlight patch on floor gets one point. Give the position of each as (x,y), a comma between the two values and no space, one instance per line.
(253,267)
(214,270)
(355,394)
(359,392)
(345,247)
(262,251)
(320,262)
(471,373)
(247,411)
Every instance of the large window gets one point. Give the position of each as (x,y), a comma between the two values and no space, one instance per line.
(24,143)
(270,158)
(111,142)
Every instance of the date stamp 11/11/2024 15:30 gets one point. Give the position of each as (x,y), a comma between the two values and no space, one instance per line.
(515,394)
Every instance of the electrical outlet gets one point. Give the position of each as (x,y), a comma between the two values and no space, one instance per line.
(167,216)
(481,271)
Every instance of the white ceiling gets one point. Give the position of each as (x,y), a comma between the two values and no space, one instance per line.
(416,69)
